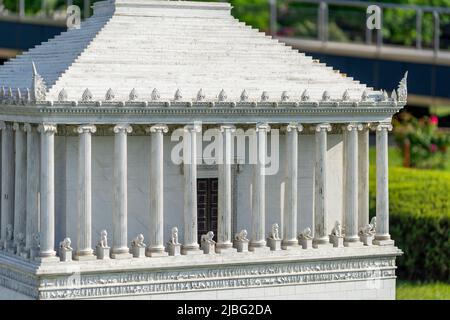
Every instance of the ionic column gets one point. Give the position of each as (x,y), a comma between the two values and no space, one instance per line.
(32,197)
(84,249)
(382,236)
(321,234)
(363,177)
(258,238)
(291,195)
(351,186)
(120,248)
(156,242)
(20,191)
(47,222)
(190,245)
(224,244)
(7,200)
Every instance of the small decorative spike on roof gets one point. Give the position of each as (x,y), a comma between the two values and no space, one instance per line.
(326,96)
(10,94)
(28,96)
(62,96)
(110,96)
(402,90)
(222,96)
(394,95)
(155,95)
(201,95)
(244,96)
(384,96)
(87,96)
(133,95)
(285,96)
(264,96)
(364,96)
(2,93)
(38,88)
(18,95)
(178,96)
(346,96)
(305,95)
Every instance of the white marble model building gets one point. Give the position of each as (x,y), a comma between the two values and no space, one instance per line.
(94,206)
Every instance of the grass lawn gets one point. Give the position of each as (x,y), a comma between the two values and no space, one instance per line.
(422,291)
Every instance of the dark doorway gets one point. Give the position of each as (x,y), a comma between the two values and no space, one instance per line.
(207,195)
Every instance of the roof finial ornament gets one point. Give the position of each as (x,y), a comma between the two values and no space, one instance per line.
(305,95)
(178,96)
(28,96)
(110,96)
(384,96)
(264,96)
(222,96)
(2,94)
(38,88)
(200,95)
(10,95)
(285,96)
(326,96)
(244,96)
(87,96)
(394,95)
(62,96)
(403,89)
(155,95)
(346,96)
(364,96)
(18,96)
(133,95)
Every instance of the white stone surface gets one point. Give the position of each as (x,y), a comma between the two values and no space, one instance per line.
(166,38)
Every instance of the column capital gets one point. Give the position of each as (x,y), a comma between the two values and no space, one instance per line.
(28,127)
(46,127)
(86,128)
(193,128)
(293,126)
(126,128)
(4,125)
(382,127)
(17,126)
(262,127)
(227,127)
(323,127)
(160,128)
(353,127)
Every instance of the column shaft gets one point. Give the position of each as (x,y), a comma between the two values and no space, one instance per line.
(47,223)
(20,184)
(190,189)
(32,198)
(120,210)
(291,193)
(84,248)
(320,187)
(7,200)
(382,236)
(363,177)
(351,185)
(224,243)
(156,243)
(258,238)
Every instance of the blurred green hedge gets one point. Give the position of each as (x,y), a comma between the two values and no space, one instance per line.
(419,221)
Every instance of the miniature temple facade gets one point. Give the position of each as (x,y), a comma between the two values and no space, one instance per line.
(166,150)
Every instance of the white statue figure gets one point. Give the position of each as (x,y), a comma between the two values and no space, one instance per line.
(9,232)
(174,238)
(103,242)
(241,236)
(306,234)
(208,237)
(373,223)
(274,234)
(366,230)
(21,238)
(66,244)
(138,241)
(337,230)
